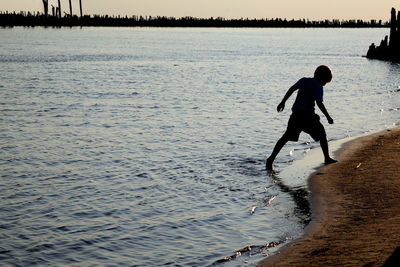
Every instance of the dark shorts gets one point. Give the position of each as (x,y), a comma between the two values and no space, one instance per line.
(305,122)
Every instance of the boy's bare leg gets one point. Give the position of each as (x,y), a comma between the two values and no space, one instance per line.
(281,142)
(325,150)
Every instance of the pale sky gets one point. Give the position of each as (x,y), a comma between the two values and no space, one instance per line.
(297,9)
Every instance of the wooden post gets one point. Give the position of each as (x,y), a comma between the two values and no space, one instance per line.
(80,6)
(59,8)
(46,7)
(70,8)
(392,27)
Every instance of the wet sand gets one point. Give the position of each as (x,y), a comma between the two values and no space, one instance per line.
(356,208)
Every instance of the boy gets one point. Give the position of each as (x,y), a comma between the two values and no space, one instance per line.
(303,117)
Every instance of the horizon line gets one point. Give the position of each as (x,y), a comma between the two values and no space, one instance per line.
(67,15)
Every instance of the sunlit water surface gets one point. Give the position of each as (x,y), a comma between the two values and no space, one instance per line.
(146,147)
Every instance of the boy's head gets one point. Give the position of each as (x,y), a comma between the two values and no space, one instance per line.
(323,74)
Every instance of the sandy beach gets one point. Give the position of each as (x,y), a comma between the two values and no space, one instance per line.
(356,208)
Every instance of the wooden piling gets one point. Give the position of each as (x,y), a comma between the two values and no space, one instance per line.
(46,7)
(70,8)
(80,6)
(59,8)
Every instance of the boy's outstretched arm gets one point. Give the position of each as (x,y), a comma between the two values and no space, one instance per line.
(323,109)
(281,105)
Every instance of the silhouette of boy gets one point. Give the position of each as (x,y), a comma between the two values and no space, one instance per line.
(303,118)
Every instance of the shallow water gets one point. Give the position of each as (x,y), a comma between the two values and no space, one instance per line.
(143,147)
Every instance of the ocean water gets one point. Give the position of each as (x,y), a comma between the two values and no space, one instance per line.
(146,146)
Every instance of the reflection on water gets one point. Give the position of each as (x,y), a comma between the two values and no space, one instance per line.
(300,196)
(301,210)
(147,146)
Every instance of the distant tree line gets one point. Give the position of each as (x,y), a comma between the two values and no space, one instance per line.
(38,19)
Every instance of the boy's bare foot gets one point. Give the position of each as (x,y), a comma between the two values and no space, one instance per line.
(268,165)
(330,161)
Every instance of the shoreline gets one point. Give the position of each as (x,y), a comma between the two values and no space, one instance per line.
(355,207)
(29,19)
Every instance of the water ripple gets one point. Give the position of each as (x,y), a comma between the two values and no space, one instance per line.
(147,147)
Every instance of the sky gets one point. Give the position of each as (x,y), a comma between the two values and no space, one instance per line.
(289,9)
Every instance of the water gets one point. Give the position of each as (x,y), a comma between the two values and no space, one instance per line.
(146,147)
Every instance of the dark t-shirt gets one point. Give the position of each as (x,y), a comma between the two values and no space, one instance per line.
(309,91)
